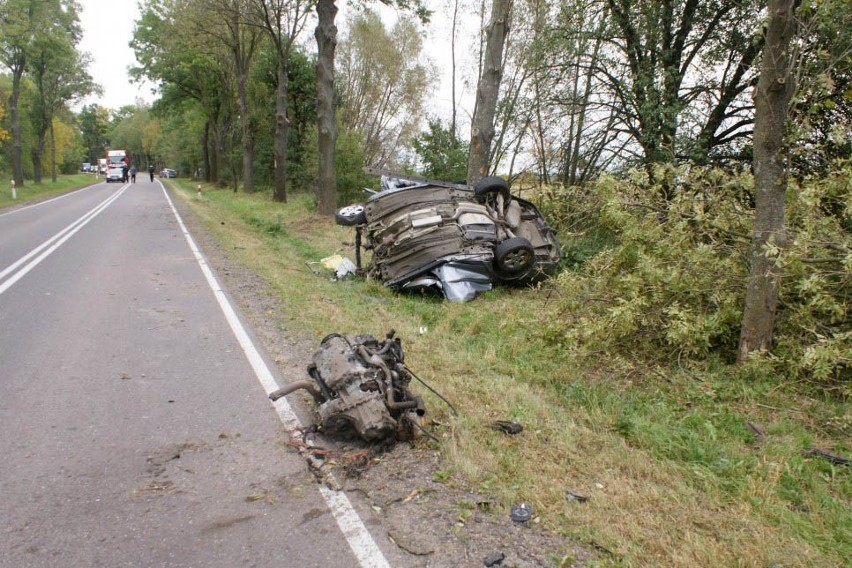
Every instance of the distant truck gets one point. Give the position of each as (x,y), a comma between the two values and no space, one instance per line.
(102,166)
(117,159)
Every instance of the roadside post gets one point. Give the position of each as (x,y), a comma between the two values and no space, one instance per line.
(15,192)
(198,191)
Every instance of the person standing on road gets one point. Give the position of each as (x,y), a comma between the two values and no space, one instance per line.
(151,171)
(133,173)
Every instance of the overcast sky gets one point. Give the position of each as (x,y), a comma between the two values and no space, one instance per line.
(107,30)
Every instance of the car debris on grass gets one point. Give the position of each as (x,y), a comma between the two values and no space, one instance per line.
(361,386)
(449,238)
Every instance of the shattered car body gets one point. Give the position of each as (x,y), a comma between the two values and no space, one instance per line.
(451,238)
(361,385)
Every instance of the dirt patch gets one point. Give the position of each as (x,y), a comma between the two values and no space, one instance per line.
(436,522)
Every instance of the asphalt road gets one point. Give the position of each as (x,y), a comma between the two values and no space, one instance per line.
(133,428)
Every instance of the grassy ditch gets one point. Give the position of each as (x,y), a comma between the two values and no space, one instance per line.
(680,467)
(48,188)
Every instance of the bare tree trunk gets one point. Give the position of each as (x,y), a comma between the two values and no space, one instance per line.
(774,90)
(218,158)
(282,132)
(283,21)
(205,157)
(246,130)
(453,119)
(52,153)
(326,36)
(488,91)
(17,144)
(38,165)
(584,104)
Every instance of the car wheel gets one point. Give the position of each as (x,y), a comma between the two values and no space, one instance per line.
(350,216)
(491,187)
(514,256)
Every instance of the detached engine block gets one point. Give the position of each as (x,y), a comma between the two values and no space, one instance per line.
(361,386)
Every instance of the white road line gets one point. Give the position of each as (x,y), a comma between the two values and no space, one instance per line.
(25,207)
(46,243)
(360,541)
(56,240)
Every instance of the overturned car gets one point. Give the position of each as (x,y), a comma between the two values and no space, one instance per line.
(450,238)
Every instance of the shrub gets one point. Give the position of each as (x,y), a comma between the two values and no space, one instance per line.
(670,282)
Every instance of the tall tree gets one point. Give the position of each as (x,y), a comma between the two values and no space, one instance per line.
(775,88)
(326,36)
(383,84)
(488,92)
(172,52)
(283,21)
(228,24)
(676,56)
(18,24)
(95,127)
(59,73)
(453,71)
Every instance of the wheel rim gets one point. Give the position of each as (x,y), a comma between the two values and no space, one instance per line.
(351,210)
(517,260)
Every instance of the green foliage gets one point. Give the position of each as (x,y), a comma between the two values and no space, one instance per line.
(25,105)
(442,155)
(822,106)
(129,130)
(177,145)
(302,112)
(675,436)
(349,165)
(670,284)
(95,128)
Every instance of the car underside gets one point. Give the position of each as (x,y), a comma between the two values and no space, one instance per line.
(452,239)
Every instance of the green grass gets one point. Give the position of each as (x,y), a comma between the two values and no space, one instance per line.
(33,192)
(674,474)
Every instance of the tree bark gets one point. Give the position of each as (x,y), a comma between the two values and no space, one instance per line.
(326,36)
(52,153)
(17,143)
(205,151)
(453,118)
(282,132)
(38,164)
(245,128)
(774,90)
(487,92)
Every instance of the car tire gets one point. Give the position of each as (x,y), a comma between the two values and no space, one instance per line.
(491,186)
(350,216)
(514,256)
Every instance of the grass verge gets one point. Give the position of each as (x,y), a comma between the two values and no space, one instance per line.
(32,192)
(682,466)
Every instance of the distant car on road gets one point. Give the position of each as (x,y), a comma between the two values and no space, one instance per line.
(168,173)
(115,174)
(86,167)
